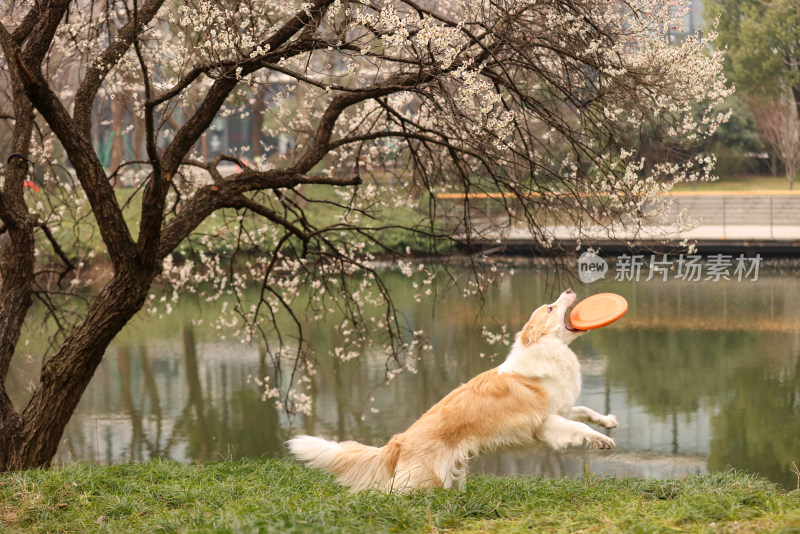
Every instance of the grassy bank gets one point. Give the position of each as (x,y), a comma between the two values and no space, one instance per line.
(279,496)
(739,183)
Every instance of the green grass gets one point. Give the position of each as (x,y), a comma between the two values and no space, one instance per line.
(280,496)
(741,183)
(82,231)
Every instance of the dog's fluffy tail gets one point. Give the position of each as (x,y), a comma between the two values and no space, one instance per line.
(355,465)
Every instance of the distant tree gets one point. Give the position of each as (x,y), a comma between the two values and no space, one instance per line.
(763,40)
(533,102)
(737,141)
(779,126)
(732,145)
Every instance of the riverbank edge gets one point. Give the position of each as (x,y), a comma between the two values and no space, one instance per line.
(275,495)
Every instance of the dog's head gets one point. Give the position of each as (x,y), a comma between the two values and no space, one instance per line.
(551,320)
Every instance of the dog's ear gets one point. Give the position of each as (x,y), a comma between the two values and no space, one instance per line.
(532,331)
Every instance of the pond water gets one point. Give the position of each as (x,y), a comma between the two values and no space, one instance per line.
(702,376)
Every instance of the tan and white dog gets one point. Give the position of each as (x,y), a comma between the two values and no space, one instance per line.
(529,398)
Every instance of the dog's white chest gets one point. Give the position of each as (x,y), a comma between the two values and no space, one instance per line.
(563,389)
(556,366)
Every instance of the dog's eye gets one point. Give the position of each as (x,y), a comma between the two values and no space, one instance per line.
(549,309)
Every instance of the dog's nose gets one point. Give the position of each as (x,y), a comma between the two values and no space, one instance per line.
(569,291)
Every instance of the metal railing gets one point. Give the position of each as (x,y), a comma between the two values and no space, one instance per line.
(741,208)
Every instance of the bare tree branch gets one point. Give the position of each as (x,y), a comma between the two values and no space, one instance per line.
(105,62)
(88,168)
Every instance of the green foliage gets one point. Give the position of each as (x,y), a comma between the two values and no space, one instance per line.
(279,496)
(735,142)
(762,37)
(739,133)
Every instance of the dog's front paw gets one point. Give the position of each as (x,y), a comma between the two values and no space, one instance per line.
(600,441)
(610,421)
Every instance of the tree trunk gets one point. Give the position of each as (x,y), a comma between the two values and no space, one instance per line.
(17,260)
(791,173)
(117,148)
(15,292)
(31,439)
(257,114)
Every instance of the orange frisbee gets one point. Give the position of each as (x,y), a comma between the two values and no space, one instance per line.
(598,310)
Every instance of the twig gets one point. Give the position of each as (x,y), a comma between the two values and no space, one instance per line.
(59,251)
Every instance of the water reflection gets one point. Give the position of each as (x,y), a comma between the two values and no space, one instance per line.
(702,376)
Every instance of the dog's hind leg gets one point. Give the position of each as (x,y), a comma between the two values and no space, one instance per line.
(559,433)
(458,476)
(582,414)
